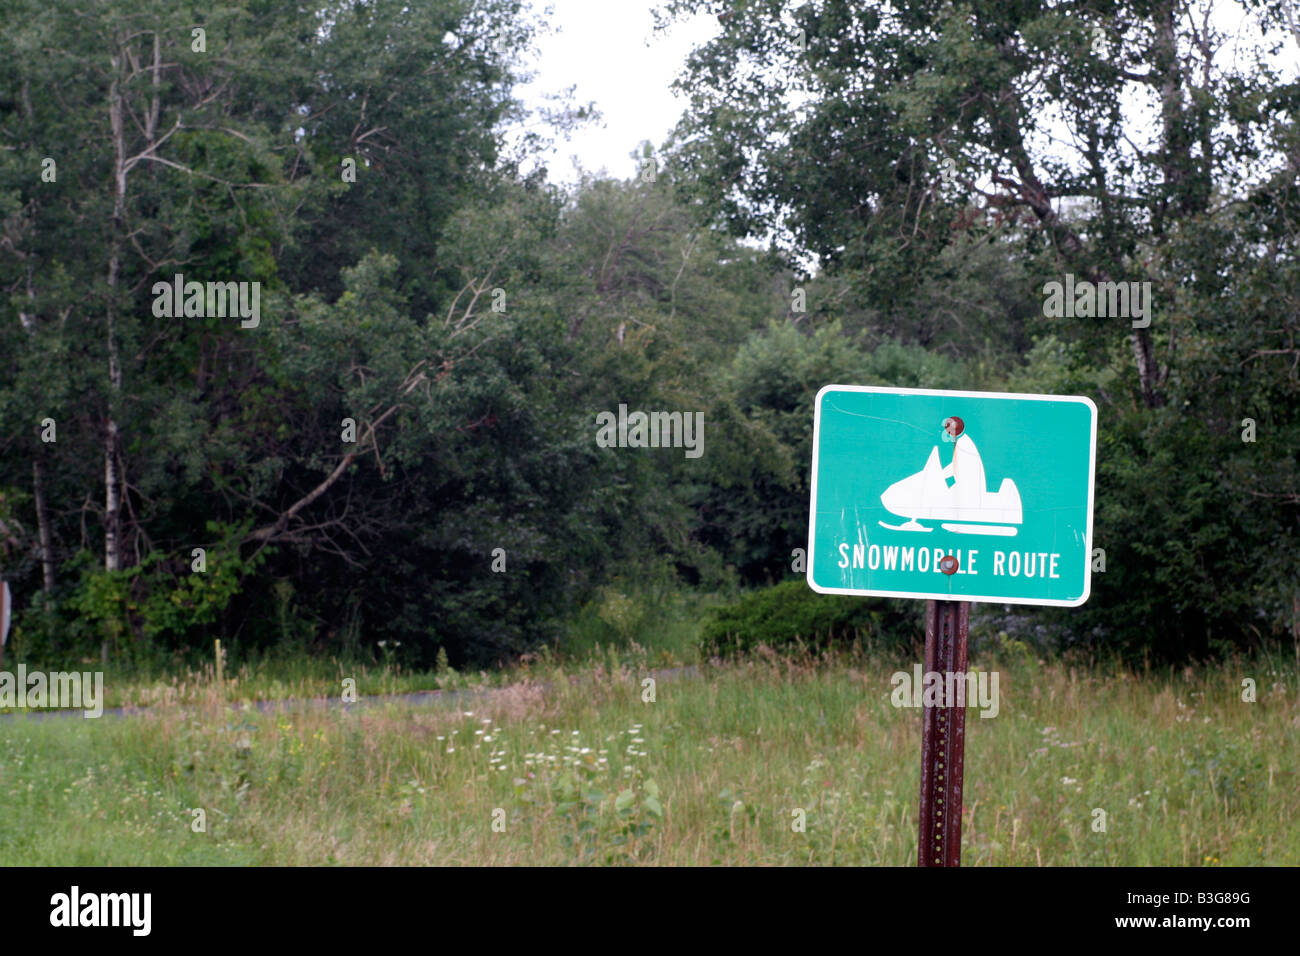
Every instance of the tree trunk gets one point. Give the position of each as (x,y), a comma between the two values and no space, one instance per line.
(43,520)
(1175,157)
(1148,373)
(1006,120)
(112,475)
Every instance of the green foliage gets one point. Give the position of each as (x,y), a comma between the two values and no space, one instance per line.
(619,612)
(914,168)
(472,320)
(753,508)
(596,826)
(143,613)
(161,598)
(791,617)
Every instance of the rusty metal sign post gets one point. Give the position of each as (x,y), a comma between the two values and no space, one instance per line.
(943,738)
(943,725)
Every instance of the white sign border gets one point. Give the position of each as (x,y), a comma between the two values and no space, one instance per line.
(917,595)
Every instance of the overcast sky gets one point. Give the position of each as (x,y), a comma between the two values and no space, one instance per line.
(609,50)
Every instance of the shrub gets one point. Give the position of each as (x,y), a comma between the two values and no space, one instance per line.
(791,615)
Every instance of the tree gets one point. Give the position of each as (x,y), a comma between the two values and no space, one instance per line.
(1111,141)
(867,140)
(212,148)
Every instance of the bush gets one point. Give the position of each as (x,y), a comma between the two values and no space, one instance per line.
(791,615)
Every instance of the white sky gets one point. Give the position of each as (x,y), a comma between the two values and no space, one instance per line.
(609,50)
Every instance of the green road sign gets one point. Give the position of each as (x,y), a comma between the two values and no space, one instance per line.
(903,477)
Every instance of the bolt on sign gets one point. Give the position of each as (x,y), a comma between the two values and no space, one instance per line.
(907,483)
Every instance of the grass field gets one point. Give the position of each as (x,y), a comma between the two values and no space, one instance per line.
(567,764)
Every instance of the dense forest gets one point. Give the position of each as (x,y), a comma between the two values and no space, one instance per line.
(299,348)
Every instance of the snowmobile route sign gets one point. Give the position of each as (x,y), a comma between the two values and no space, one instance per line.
(902,478)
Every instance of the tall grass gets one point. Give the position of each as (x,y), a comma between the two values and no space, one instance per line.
(568,764)
(270,679)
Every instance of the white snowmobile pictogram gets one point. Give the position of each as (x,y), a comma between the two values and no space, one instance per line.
(966,503)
